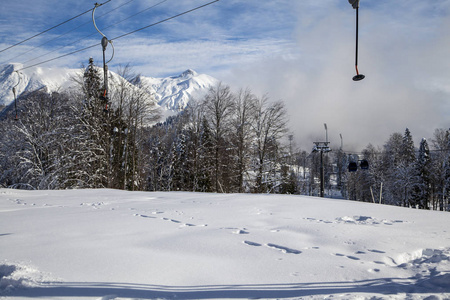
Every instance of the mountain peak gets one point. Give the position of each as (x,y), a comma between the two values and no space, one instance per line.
(189,73)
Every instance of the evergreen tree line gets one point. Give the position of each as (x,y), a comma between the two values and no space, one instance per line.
(400,174)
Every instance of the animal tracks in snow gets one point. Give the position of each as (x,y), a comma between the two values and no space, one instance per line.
(376,251)
(182,224)
(95,205)
(283,249)
(252,244)
(144,216)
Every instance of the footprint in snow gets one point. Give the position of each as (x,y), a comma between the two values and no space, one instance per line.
(252,244)
(373,270)
(284,249)
(144,216)
(353,257)
(376,251)
(171,220)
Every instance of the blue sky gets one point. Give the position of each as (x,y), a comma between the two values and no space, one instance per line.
(208,40)
(299,51)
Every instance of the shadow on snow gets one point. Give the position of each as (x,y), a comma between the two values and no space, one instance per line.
(385,286)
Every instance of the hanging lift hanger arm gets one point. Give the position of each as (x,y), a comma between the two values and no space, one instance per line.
(355,5)
(105,40)
(93,19)
(18,82)
(15,96)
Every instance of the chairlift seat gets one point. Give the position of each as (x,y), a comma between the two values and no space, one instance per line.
(352,166)
(364,164)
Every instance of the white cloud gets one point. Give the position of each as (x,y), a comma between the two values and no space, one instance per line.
(407,83)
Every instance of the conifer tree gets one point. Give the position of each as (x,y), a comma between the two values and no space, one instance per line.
(421,192)
(95,126)
(407,153)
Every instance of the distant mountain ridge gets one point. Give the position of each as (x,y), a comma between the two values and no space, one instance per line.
(171,93)
(174,93)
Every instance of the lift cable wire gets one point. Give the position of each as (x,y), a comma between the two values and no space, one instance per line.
(381,153)
(55,58)
(165,20)
(96,32)
(120,36)
(60,36)
(161,2)
(42,32)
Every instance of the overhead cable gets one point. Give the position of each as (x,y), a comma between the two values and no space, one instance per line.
(121,36)
(58,37)
(61,56)
(42,32)
(165,20)
(74,42)
(384,152)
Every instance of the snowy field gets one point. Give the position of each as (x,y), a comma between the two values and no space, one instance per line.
(108,244)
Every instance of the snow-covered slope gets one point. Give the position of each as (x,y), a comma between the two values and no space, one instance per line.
(108,244)
(172,93)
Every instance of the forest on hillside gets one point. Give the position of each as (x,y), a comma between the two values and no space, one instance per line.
(225,142)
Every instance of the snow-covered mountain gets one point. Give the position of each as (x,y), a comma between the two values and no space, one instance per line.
(174,93)
(171,93)
(32,79)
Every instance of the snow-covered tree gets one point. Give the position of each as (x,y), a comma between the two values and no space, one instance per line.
(407,151)
(269,127)
(440,170)
(422,187)
(218,105)
(242,135)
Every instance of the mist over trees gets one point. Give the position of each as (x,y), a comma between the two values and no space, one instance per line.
(224,142)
